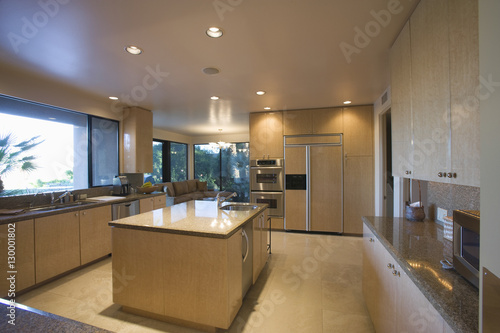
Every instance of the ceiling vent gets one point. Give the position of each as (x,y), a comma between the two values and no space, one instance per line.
(211,70)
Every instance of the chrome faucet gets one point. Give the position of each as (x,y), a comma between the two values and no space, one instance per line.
(63,197)
(219,201)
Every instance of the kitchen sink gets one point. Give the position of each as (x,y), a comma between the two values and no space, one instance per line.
(59,206)
(241,207)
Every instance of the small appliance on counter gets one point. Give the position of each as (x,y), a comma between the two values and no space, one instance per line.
(466,244)
(121,186)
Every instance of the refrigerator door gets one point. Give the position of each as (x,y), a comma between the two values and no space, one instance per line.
(325,170)
(296,210)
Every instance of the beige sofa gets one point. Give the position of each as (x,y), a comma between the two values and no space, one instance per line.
(189,190)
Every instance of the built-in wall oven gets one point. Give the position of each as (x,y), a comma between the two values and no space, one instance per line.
(266,184)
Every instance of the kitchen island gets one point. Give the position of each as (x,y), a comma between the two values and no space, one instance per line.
(182,264)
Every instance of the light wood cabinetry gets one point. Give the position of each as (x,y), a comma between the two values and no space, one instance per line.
(159,202)
(259,244)
(137,140)
(24,253)
(297,122)
(266,135)
(394,302)
(201,277)
(358,130)
(314,121)
(57,244)
(295,200)
(95,234)
(435,107)
(146,205)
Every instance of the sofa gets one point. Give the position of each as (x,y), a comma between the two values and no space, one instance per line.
(188,190)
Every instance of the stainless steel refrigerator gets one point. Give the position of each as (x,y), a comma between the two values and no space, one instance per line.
(314,183)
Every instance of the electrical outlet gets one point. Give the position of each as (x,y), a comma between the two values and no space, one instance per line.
(441,213)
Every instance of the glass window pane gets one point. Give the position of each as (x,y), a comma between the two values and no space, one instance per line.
(207,165)
(104,151)
(157,175)
(178,161)
(236,170)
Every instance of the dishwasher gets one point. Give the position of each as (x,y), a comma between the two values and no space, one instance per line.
(125,209)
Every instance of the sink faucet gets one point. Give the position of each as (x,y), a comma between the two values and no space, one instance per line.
(219,201)
(32,203)
(63,197)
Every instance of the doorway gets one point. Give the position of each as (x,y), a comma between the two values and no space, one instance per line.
(388,179)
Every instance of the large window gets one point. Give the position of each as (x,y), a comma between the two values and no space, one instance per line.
(225,169)
(169,162)
(47,149)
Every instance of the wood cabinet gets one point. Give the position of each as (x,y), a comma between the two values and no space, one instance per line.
(259,244)
(295,200)
(266,135)
(394,302)
(137,140)
(24,253)
(358,130)
(146,205)
(159,201)
(95,234)
(435,107)
(57,244)
(314,121)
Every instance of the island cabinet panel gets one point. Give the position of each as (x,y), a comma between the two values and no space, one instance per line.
(24,263)
(159,202)
(259,244)
(57,244)
(137,140)
(146,205)
(95,234)
(266,135)
(182,278)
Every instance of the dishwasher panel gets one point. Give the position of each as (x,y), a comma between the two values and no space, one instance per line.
(125,209)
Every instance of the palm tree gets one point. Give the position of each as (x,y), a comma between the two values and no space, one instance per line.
(14,156)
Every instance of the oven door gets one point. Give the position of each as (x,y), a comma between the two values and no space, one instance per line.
(273,199)
(266,179)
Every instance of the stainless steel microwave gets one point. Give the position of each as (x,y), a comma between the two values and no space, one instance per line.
(466,244)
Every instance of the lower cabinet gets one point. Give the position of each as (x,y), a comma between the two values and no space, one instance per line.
(160,202)
(146,205)
(259,244)
(95,234)
(57,244)
(394,302)
(21,237)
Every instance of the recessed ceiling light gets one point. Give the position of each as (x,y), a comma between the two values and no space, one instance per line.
(214,98)
(133,49)
(347,102)
(114,98)
(214,32)
(260,92)
(267,108)
(210,70)
(52,118)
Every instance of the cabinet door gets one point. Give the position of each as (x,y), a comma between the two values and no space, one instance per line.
(258,135)
(257,240)
(275,134)
(464,79)
(326,188)
(430,89)
(95,234)
(159,202)
(146,205)
(370,279)
(358,192)
(295,200)
(24,262)
(327,121)
(263,239)
(137,140)
(57,244)
(402,143)
(297,122)
(358,130)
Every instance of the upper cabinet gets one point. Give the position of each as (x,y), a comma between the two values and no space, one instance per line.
(266,135)
(314,121)
(137,140)
(435,74)
(358,130)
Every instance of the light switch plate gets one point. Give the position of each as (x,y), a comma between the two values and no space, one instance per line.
(441,213)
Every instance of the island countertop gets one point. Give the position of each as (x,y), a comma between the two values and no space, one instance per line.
(196,217)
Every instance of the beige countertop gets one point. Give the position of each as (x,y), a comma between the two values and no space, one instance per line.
(196,217)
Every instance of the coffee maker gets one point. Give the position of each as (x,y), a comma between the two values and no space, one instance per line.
(121,186)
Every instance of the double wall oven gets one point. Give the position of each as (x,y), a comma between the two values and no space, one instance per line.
(266,184)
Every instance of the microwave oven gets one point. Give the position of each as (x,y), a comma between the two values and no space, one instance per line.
(466,244)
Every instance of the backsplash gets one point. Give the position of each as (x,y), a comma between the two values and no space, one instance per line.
(446,196)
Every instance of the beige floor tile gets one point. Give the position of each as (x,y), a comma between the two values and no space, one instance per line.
(349,276)
(338,298)
(352,323)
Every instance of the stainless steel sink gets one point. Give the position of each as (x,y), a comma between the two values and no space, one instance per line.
(59,206)
(240,207)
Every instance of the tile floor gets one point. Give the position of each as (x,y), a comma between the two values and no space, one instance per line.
(311,283)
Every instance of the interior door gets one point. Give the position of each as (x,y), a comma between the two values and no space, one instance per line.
(326,188)
(295,200)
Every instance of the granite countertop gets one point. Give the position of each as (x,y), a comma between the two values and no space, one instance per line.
(86,204)
(32,320)
(418,247)
(195,217)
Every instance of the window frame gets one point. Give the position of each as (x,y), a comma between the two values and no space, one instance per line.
(167,168)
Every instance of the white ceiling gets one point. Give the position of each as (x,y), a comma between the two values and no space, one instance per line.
(289,48)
